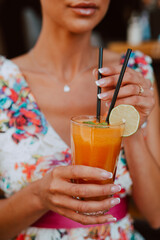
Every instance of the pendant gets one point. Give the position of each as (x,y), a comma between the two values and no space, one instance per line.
(66,88)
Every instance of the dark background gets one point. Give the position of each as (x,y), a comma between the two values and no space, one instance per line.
(20,23)
(13,32)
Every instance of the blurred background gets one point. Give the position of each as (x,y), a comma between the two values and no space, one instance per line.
(128,23)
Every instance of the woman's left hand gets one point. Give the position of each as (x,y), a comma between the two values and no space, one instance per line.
(135,89)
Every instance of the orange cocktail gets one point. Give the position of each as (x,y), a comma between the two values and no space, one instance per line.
(95,145)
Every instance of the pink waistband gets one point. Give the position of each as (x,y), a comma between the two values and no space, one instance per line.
(54,220)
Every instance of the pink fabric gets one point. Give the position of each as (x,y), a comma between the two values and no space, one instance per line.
(54,220)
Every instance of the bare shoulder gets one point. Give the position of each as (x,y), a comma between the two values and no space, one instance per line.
(110,57)
(22,61)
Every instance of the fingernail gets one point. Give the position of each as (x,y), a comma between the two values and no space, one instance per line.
(100,82)
(102,95)
(97,83)
(103,70)
(116,188)
(99,96)
(106,175)
(115,201)
(112,219)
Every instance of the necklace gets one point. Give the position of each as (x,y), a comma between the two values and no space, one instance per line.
(66,86)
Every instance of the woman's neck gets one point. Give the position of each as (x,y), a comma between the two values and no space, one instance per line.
(62,53)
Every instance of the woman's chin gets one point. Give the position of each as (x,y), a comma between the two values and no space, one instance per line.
(81,26)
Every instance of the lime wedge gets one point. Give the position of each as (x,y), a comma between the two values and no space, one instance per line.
(127,114)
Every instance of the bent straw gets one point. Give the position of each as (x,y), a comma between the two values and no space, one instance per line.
(119,83)
(100,63)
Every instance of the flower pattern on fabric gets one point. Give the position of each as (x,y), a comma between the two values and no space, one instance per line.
(22,112)
(122,230)
(140,63)
(123,176)
(42,164)
(30,148)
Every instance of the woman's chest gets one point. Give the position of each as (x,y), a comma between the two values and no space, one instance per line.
(58,106)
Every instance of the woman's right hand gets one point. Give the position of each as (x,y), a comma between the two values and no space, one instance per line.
(57,190)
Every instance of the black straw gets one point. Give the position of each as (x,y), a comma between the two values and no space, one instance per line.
(100,63)
(119,83)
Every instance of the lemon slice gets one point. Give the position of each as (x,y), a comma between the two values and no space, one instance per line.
(127,114)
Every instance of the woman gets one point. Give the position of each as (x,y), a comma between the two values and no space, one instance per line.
(58,71)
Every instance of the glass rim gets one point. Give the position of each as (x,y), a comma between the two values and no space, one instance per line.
(75,120)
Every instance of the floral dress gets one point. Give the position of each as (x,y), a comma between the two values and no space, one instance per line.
(29,147)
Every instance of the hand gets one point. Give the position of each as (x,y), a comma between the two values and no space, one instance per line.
(135,89)
(57,191)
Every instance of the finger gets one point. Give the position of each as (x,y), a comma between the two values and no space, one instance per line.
(83,190)
(126,91)
(130,77)
(115,70)
(111,82)
(84,206)
(86,220)
(81,172)
(145,103)
(110,70)
(107,71)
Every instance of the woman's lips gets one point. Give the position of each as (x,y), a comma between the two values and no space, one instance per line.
(84,9)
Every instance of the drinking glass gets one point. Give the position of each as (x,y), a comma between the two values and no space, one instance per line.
(95,145)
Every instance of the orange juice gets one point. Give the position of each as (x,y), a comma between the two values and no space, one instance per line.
(95,145)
